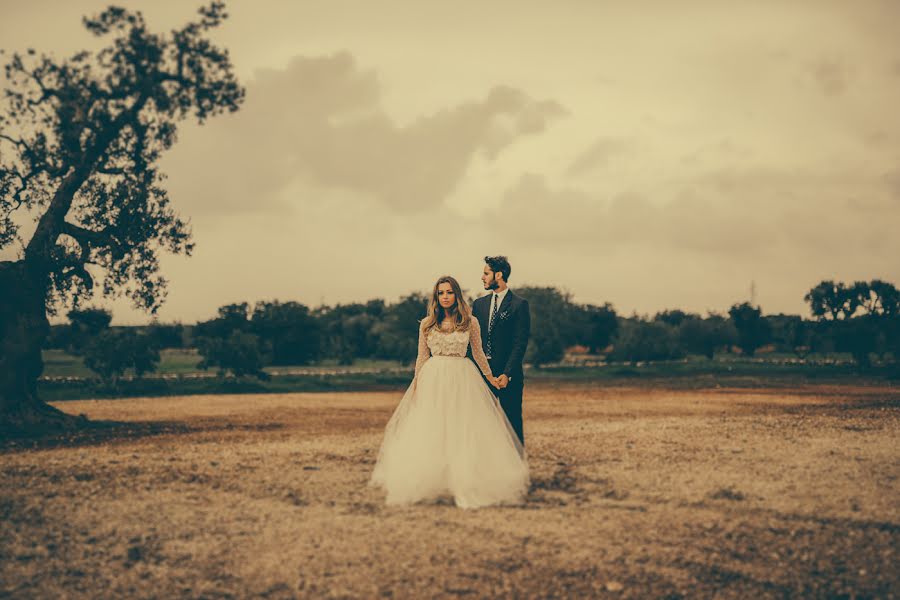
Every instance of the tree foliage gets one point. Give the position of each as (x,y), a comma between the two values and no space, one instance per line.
(79,144)
(397,332)
(640,340)
(791,333)
(752,330)
(113,352)
(832,300)
(705,337)
(289,330)
(875,331)
(551,323)
(239,353)
(84,325)
(597,327)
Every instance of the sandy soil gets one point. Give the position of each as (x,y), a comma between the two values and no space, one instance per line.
(635,493)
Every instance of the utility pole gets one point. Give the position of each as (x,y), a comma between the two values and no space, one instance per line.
(752,293)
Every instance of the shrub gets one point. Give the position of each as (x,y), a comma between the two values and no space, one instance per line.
(646,340)
(111,353)
(240,353)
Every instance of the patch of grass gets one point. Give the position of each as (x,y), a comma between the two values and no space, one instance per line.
(184,361)
(359,363)
(178,366)
(703,373)
(59,363)
(179,360)
(52,391)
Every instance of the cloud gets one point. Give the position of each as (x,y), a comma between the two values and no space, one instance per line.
(729,213)
(892,180)
(531,210)
(831,76)
(699,244)
(573,218)
(725,151)
(597,155)
(320,120)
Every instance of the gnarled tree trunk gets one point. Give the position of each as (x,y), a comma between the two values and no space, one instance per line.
(23,329)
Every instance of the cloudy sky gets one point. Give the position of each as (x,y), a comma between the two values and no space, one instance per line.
(650,154)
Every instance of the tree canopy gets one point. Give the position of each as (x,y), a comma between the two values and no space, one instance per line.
(79,143)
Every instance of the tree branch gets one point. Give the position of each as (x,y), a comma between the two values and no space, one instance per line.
(86,237)
(111,171)
(20,143)
(45,91)
(53,220)
(179,61)
(78,270)
(23,180)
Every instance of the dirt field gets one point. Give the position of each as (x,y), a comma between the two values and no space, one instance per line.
(635,493)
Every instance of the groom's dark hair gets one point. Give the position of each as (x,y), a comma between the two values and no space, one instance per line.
(499,264)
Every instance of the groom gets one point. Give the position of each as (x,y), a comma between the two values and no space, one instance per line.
(505,325)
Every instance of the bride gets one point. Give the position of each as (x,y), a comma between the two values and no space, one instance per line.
(449,434)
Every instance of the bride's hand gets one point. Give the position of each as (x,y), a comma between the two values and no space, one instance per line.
(495,382)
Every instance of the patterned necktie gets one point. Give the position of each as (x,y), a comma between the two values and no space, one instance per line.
(491,324)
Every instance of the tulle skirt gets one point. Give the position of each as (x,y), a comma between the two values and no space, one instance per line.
(449,435)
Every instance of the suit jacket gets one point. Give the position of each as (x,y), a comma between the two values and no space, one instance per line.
(512,327)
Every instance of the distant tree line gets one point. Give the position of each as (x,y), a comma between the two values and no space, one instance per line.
(861,319)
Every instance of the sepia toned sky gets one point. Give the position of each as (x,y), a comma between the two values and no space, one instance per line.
(650,154)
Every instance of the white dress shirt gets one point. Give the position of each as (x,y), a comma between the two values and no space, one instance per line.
(498,298)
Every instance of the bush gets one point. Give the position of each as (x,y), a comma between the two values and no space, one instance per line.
(84,325)
(167,335)
(397,335)
(111,353)
(597,326)
(752,330)
(232,317)
(544,346)
(552,324)
(240,353)
(289,329)
(646,340)
(859,336)
(705,336)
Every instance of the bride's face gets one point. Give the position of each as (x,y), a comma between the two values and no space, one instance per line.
(445,295)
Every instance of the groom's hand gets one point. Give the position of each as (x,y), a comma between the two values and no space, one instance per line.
(503,380)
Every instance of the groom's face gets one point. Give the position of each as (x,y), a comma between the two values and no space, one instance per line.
(489,278)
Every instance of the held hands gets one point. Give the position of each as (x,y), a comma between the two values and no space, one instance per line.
(499,382)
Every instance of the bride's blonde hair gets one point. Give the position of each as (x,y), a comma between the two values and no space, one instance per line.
(436,312)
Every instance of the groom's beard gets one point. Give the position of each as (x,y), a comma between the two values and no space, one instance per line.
(492,285)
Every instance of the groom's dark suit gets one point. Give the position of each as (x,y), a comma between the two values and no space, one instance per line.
(509,339)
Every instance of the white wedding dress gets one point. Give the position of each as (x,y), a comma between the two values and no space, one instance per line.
(449,434)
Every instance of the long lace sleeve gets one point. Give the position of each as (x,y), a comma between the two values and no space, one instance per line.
(424,353)
(477,351)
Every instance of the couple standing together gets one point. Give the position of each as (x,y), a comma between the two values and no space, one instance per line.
(458,428)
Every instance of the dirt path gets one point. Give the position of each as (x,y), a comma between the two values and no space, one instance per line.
(635,493)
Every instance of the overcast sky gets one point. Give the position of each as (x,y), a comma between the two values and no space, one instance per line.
(651,154)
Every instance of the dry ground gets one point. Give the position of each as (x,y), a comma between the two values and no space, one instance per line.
(635,493)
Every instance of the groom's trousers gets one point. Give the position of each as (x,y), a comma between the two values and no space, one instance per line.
(511,399)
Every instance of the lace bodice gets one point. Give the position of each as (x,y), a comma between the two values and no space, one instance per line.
(454,343)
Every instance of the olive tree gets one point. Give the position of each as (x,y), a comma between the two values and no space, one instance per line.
(80,141)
